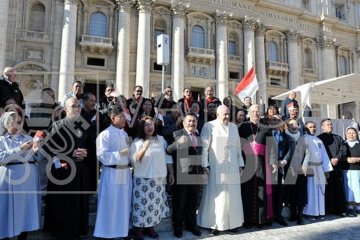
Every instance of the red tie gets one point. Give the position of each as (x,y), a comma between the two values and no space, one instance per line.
(193,140)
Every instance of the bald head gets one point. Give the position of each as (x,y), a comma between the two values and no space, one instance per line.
(223,114)
(292,95)
(72,108)
(254,113)
(10,74)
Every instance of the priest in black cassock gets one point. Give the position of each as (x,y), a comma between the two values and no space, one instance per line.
(66,211)
(335,202)
(256,187)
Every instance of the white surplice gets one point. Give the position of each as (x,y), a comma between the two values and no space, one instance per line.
(221,204)
(115,188)
(317,159)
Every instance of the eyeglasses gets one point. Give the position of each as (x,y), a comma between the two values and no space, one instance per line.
(75,106)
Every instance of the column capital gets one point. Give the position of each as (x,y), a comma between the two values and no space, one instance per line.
(75,2)
(357,51)
(125,5)
(145,5)
(179,8)
(222,17)
(260,28)
(327,42)
(292,35)
(249,24)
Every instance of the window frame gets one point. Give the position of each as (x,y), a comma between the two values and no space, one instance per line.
(97,26)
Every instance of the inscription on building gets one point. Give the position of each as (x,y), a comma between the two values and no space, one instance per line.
(265,13)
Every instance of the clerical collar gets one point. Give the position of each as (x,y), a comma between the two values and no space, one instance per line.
(7,80)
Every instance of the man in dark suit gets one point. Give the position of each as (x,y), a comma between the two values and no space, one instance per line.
(10,92)
(186,150)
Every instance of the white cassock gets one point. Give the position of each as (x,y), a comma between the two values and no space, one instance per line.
(319,161)
(221,204)
(115,188)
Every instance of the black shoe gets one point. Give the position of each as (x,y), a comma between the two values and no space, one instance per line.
(292,219)
(151,232)
(281,221)
(194,230)
(351,213)
(300,221)
(178,233)
(247,225)
(234,230)
(215,232)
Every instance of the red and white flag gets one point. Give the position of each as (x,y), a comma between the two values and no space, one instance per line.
(247,86)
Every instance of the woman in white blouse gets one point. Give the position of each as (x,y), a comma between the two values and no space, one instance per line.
(19,179)
(149,158)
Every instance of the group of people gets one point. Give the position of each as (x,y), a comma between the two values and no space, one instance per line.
(227,167)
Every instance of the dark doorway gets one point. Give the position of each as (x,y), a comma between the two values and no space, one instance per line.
(97,89)
(197,93)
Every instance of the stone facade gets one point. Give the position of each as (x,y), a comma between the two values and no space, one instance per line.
(212,42)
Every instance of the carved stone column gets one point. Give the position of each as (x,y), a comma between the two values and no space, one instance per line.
(68,42)
(4,11)
(123,47)
(357,60)
(260,59)
(249,45)
(222,75)
(328,67)
(56,49)
(143,45)
(292,39)
(328,59)
(178,51)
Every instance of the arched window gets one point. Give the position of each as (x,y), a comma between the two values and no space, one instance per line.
(308,62)
(343,70)
(273,51)
(160,26)
(37,18)
(232,45)
(98,25)
(198,37)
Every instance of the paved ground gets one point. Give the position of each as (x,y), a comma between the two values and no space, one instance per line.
(332,228)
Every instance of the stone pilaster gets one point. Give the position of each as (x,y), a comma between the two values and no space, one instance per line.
(68,42)
(178,52)
(292,39)
(56,49)
(4,11)
(249,43)
(123,47)
(222,19)
(143,45)
(260,59)
(328,59)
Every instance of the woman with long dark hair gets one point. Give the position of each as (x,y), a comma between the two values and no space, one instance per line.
(149,158)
